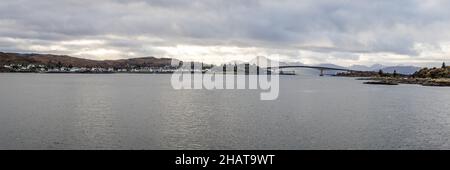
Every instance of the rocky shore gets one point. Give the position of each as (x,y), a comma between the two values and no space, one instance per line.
(396,81)
(425,76)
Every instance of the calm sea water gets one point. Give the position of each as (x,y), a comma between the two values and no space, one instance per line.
(137,111)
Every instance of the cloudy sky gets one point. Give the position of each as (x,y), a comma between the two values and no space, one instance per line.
(341,32)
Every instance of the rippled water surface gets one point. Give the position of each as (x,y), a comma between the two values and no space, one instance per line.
(142,111)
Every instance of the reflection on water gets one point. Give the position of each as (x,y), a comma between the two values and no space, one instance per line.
(126,111)
(96,119)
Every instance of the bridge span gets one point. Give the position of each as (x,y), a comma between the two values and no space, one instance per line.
(322,69)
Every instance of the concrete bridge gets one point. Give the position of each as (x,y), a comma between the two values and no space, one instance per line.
(271,69)
(322,69)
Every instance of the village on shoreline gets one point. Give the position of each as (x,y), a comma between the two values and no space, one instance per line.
(33,68)
(42,63)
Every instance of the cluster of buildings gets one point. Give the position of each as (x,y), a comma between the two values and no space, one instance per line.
(79,70)
(200,68)
(45,69)
(25,68)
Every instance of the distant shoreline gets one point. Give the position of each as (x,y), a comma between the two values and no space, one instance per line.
(132,73)
(425,77)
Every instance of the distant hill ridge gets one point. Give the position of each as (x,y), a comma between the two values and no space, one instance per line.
(66,61)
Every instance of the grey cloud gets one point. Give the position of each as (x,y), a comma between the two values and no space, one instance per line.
(350,26)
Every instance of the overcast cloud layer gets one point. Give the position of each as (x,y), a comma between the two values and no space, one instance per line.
(311,31)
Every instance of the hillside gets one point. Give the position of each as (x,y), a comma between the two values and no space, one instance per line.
(67,61)
(443,72)
(406,70)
